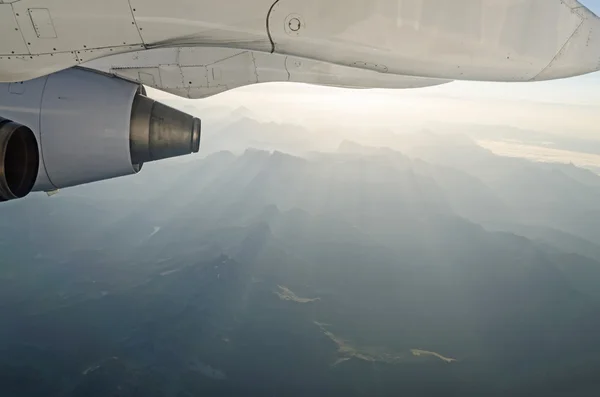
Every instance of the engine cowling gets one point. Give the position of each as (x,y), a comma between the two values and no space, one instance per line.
(90,126)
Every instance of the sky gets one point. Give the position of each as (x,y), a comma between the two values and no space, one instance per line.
(568,106)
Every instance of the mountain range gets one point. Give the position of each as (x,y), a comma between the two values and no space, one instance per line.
(429,267)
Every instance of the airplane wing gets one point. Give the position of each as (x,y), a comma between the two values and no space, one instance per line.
(73,108)
(499,40)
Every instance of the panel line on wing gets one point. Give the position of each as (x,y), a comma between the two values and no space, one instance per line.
(269,26)
(285,61)
(254,64)
(560,51)
(136,22)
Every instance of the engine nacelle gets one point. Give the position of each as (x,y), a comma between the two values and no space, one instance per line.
(91,126)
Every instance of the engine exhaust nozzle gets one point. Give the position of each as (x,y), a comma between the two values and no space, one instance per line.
(158,131)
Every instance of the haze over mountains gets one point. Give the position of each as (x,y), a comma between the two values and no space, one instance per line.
(294,261)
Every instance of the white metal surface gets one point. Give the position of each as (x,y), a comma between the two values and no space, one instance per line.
(25,67)
(512,40)
(194,72)
(52,35)
(322,73)
(84,121)
(77,24)
(223,23)
(503,40)
(11,40)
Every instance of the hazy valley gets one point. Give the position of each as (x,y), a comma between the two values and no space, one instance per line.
(289,262)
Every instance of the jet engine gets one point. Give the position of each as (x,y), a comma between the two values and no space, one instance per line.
(78,126)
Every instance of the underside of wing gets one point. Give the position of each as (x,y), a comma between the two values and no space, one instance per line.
(491,40)
(199,72)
